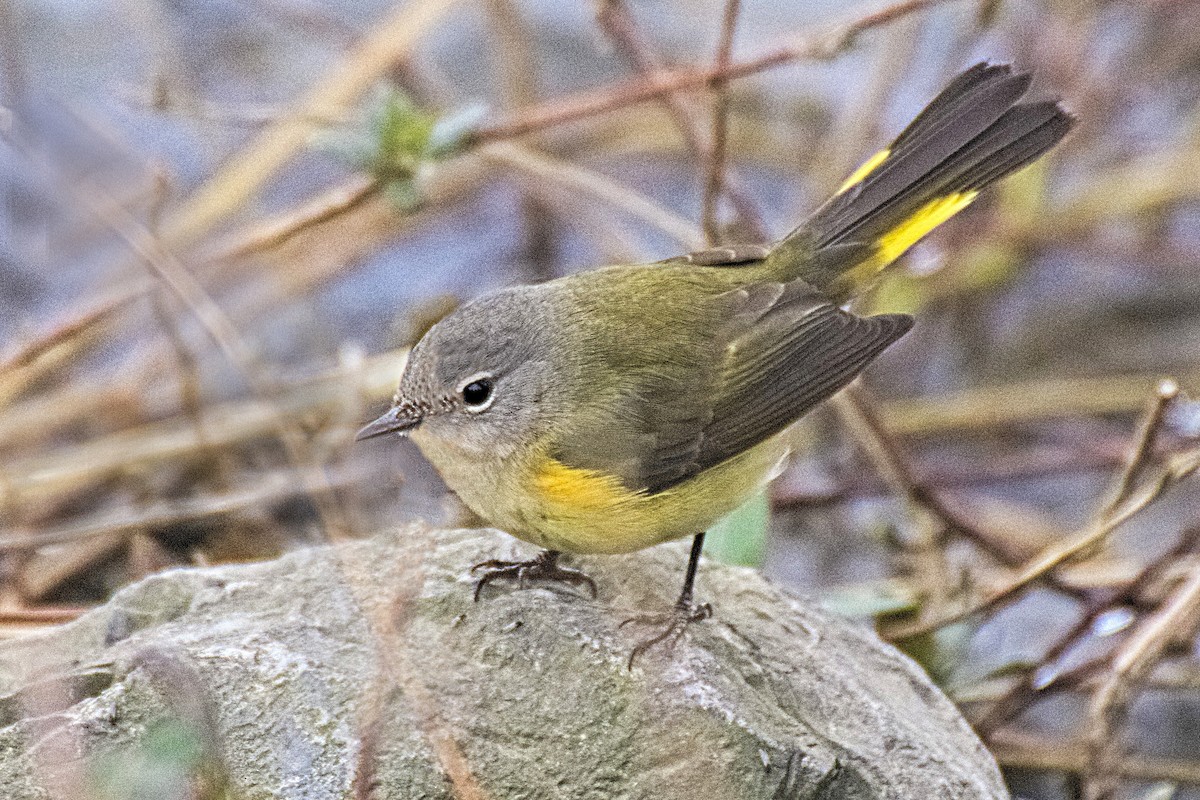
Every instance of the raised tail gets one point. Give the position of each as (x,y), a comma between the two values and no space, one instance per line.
(974,133)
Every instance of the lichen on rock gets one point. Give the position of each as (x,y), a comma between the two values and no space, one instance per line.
(365,670)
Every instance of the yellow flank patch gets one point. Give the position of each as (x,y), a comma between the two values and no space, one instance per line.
(569,490)
(866,169)
(893,243)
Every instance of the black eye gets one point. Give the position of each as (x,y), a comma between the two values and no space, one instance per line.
(476,393)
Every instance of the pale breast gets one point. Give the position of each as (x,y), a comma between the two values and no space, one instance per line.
(558,507)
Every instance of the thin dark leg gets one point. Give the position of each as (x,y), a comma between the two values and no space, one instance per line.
(542,567)
(689,580)
(686,610)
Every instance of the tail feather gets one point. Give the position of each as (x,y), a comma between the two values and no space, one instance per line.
(972,134)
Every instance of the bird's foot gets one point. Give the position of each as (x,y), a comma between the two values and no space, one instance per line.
(542,567)
(674,624)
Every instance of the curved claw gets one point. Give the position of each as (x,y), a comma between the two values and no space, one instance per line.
(493,563)
(494,571)
(677,623)
(543,567)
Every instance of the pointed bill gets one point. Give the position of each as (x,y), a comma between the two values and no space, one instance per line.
(398,419)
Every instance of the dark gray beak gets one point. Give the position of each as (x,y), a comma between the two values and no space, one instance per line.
(397,420)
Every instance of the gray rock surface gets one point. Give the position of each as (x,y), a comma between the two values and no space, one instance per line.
(364,670)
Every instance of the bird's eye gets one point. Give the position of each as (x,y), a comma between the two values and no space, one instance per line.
(477,393)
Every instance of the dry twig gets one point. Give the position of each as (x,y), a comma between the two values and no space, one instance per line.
(1132,502)
(715,177)
(1177,620)
(823,45)
(617,22)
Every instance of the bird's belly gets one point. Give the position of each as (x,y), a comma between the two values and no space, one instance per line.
(579,511)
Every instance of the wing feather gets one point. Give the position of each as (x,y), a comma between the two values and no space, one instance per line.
(784,349)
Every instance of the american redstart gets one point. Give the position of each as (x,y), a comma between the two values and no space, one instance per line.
(618,408)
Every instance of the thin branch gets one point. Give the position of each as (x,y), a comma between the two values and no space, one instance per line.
(889,459)
(822,45)
(1144,441)
(655,83)
(618,24)
(929,564)
(1178,619)
(43,353)
(997,471)
(273,232)
(228,339)
(1020,696)
(978,410)
(35,478)
(1176,469)
(168,269)
(1124,505)
(720,127)
(389,41)
(266,489)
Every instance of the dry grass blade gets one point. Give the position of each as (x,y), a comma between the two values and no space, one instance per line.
(274,232)
(26,621)
(1028,751)
(62,343)
(989,407)
(268,488)
(176,277)
(564,173)
(37,479)
(389,41)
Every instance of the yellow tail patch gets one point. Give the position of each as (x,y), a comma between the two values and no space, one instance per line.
(868,166)
(895,242)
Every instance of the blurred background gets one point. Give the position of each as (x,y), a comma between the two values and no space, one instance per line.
(223,222)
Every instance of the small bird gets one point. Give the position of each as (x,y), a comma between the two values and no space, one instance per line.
(618,408)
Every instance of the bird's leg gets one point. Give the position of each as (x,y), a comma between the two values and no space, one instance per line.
(686,610)
(542,567)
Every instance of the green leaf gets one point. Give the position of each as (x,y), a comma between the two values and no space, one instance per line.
(403,193)
(741,538)
(880,598)
(398,143)
(941,652)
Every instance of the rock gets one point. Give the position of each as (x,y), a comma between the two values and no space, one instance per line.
(365,670)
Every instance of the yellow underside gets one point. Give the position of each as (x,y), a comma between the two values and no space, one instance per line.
(559,507)
(583,511)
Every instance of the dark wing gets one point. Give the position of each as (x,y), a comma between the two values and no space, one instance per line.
(786,349)
(775,351)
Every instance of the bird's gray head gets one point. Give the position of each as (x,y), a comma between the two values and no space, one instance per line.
(478,380)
